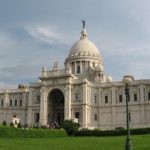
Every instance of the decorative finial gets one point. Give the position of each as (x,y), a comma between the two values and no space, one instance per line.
(56,65)
(83,31)
(83,22)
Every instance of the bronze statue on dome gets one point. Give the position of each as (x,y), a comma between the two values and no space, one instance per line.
(83,22)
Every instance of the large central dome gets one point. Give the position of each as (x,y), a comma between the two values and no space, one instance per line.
(84,48)
(84,58)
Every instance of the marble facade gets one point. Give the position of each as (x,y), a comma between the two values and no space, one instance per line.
(80,91)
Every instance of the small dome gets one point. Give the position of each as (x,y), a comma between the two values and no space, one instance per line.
(99,67)
(109,79)
(39,81)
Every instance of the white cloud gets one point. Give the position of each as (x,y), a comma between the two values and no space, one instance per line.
(49,35)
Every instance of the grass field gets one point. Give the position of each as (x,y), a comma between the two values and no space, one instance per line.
(140,142)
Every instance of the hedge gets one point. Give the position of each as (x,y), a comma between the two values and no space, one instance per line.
(11,132)
(97,132)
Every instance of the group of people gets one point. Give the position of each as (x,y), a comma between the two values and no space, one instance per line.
(53,125)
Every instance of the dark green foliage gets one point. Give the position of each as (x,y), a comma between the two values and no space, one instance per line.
(43,127)
(8,132)
(119,128)
(140,131)
(117,132)
(11,124)
(4,123)
(19,125)
(70,126)
(25,126)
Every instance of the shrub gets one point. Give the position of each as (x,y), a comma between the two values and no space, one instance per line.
(43,127)
(117,132)
(11,124)
(8,132)
(140,131)
(26,126)
(4,123)
(19,125)
(119,128)
(70,126)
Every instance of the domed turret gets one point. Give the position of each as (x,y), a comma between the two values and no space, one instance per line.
(82,54)
(99,67)
(109,79)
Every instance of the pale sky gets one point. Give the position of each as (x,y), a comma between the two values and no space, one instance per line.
(34,33)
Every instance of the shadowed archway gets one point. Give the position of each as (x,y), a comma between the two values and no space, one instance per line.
(56,106)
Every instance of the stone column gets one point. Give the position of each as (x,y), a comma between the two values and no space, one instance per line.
(30,113)
(75,69)
(113,117)
(6,105)
(81,67)
(25,102)
(67,106)
(84,106)
(6,99)
(142,105)
(99,107)
(43,107)
(86,66)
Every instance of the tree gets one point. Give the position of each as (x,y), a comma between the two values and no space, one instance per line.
(19,125)
(70,126)
(11,124)
(4,123)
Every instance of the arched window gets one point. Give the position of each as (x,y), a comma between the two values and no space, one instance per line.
(95,117)
(120,98)
(149,96)
(10,102)
(106,99)
(95,98)
(38,97)
(78,69)
(77,115)
(135,97)
(2,102)
(77,96)
(15,102)
(20,103)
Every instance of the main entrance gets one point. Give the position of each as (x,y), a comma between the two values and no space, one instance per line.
(56,106)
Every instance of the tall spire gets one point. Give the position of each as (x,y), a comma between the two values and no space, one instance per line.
(83,31)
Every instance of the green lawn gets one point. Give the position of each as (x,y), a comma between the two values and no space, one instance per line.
(140,142)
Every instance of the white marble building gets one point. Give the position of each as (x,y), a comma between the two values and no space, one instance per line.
(81,91)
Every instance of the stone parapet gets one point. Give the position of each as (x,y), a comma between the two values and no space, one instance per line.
(55,73)
(14,90)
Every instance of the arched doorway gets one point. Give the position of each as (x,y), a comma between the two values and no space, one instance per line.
(56,106)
